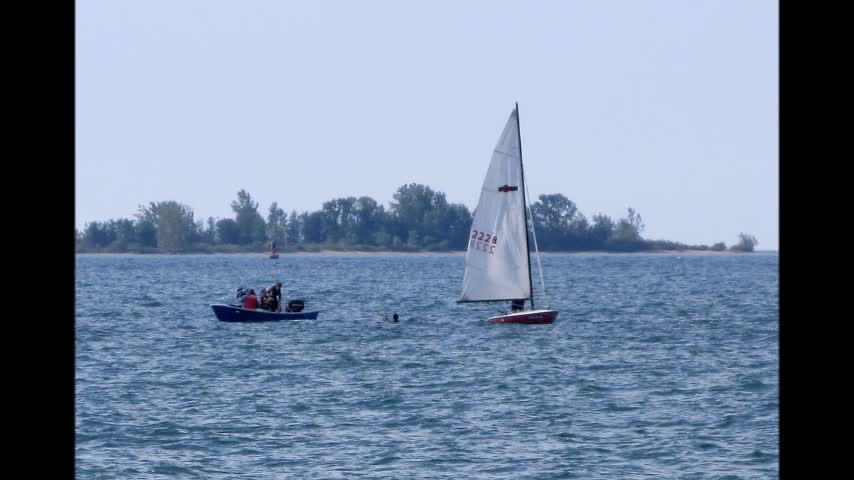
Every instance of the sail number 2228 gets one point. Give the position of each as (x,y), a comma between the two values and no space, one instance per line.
(482,241)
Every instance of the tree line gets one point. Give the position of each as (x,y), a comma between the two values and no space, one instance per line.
(418,219)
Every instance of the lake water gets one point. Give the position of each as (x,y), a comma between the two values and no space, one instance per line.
(659,366)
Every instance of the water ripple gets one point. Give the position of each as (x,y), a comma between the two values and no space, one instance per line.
(660,366)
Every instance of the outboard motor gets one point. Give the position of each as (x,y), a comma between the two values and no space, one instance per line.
(296,305)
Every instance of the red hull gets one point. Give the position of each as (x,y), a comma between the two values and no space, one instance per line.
(529,317)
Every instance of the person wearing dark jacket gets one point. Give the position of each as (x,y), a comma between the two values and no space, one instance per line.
(276,293)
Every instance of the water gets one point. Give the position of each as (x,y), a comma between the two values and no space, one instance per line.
(659,366)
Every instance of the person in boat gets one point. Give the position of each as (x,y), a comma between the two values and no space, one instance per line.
(264,300)
(276,292)
(251,301)
(517,306)
(241,296)
(269,302)
(272,302)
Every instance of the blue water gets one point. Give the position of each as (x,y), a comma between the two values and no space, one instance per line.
(659,366)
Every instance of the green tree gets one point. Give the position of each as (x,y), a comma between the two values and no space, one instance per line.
(313,228)
(601,229)
(555,211)
(249,222)
(629,229)
(435,223)
(146,233)
(210,233)
(411,204)
(174,224)
(560,226)
(746,243)
(339,216)
(227,231)
(97,235)
(276,224)
(368,217)
(294,228)
(197,233)
(125,234)
(419,211)
(458,219)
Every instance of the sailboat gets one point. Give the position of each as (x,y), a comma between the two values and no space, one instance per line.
(498,259)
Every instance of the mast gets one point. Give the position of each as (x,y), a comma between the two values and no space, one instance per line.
(524,205)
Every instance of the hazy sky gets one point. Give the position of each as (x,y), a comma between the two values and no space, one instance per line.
(670,107)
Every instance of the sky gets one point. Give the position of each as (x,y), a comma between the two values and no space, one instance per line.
(670,107)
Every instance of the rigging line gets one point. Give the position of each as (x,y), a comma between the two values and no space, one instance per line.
(536,249)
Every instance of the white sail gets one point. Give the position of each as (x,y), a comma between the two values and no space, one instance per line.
(497,256)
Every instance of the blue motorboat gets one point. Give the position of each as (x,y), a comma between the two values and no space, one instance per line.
(233,313)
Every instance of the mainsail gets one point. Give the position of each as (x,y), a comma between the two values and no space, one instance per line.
(497,257)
